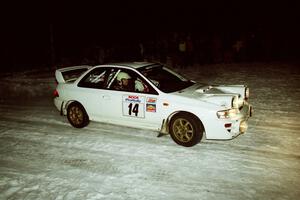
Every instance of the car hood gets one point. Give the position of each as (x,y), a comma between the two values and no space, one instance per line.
(218,94)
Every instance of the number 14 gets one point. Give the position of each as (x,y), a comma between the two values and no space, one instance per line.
(133,109)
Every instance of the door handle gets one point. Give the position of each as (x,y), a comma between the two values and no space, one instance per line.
(105,97)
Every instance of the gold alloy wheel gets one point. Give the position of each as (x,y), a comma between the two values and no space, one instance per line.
(183,130)
(76,115)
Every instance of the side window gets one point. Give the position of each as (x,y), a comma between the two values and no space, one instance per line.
(112,73)
(142,86)
(122,81)
(94,79)
(130,81)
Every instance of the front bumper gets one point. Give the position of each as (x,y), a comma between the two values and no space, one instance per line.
(239,124)
(228,128)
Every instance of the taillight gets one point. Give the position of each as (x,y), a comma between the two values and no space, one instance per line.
(55,93)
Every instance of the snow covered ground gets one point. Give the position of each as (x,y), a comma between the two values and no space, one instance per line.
(43,157)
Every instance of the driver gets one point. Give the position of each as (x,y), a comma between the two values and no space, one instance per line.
(123,81)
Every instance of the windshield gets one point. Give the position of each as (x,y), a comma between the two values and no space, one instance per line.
(165,79)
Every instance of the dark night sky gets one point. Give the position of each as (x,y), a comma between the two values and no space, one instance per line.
(79,23)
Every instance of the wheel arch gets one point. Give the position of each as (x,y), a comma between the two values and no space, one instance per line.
(66,104)
(166,122)
(85,117)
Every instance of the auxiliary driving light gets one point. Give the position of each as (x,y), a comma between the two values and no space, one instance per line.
(243,126)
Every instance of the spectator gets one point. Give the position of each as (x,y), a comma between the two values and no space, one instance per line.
(182,52)
(189,58)
(238,49)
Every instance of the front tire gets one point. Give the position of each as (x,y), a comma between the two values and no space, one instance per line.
(186,129)
(77,115)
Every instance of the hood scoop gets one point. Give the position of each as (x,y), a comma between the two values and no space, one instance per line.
(209,90)
(204,89)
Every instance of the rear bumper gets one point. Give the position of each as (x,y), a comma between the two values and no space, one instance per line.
(58,104)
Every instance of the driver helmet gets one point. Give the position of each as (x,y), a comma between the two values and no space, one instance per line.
(122,75)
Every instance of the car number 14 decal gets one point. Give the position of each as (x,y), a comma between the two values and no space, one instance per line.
(133,106)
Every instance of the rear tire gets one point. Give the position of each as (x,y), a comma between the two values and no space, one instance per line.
(77,115)
(186,129)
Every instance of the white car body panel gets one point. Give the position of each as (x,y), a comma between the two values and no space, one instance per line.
(112,106)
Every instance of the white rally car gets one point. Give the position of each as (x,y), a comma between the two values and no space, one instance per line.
(151,96)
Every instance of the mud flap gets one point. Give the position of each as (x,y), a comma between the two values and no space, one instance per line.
(163,130)
(61,109)
(160,134)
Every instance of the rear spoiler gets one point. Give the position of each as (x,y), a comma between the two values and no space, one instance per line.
(70,74)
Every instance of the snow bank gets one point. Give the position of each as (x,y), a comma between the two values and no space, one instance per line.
(27,85)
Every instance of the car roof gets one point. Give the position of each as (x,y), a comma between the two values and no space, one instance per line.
(135,65)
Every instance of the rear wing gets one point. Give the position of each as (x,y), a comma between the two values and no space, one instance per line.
(70,74)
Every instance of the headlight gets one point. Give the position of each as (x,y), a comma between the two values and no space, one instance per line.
(247,93)
(230,113)
(235,102)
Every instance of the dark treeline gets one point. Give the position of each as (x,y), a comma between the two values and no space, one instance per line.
(61,34)
(178,48)
(182,49)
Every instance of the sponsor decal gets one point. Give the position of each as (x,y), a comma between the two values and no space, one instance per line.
(151,107)
(132,98)
(133,106)
(151,104)
(151,100)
